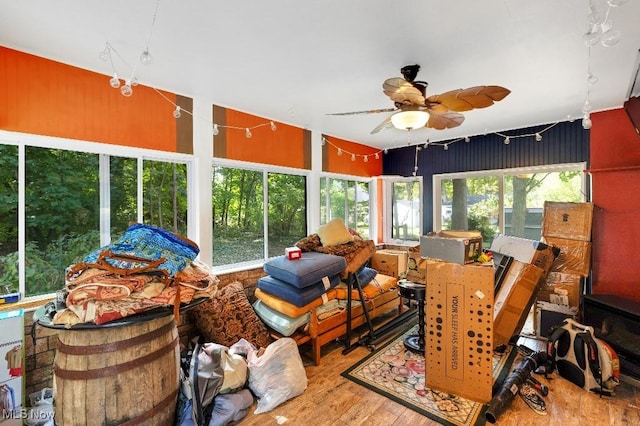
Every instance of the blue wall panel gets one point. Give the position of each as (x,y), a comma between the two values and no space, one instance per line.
(566,142)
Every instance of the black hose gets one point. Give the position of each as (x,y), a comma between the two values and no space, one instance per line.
(512,384)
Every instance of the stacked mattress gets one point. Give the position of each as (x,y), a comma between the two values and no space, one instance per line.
(300,282)
(293,289)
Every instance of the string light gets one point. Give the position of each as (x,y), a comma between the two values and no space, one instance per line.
(177,113)
(145,58)
(247,133)
(598,31)
(354,156)
(507,140)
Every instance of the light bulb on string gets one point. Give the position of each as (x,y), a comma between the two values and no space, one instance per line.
(467,139)
(366,159)
(591,79)
(353,157)
(339,151)
(538,137)
(115,81)
(146,58)
(105,54)
(386,151)
(134,81)
(592,37)
(586,122)
(247,133)
(376,156)
(446,146)
(177,113)
(507,140)
(216,130)
(273,126)
(126,90)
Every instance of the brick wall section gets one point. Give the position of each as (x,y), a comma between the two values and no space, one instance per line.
(40,351)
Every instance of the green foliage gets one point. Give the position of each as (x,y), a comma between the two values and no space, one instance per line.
(45,269)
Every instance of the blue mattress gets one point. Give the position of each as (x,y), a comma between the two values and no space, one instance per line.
(306,271)
(283,324)
(298,296)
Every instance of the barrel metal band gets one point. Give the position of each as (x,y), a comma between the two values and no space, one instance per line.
(114,369)
(162,405)
(115,346)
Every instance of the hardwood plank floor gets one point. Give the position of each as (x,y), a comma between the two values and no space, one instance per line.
(331,399)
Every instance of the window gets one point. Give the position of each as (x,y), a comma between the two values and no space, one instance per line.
(347,199)
(509,202)
(75,201)
(242,218)
(403,209)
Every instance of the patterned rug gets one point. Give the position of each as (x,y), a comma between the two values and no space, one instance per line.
(398,374)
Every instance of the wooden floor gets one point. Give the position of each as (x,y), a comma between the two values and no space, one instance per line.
(331,399)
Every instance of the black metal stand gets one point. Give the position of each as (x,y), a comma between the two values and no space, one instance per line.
(373,336)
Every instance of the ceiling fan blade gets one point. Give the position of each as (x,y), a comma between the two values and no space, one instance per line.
(470,98)
(371,111)
(386,124)
(401,91)
(441,121)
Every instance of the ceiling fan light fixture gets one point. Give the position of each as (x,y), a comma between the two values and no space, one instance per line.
(409,120)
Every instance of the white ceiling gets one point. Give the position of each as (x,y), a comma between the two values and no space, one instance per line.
(297,61)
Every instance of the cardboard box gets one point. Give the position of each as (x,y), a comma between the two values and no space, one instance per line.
(574,257)
(567,220)
(527,251)
(548,315)
(390,262)
(450,249)
(561,289)
(416,266)
(514,300)
(458,329)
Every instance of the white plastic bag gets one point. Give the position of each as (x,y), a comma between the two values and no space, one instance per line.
(277,375)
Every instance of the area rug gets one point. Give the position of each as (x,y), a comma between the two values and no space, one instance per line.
(398,374)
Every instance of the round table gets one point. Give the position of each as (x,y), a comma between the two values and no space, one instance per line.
(417,292)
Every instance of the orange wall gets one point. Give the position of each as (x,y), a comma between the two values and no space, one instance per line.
(334,162)
(615,173)
(45,97)
(287,146)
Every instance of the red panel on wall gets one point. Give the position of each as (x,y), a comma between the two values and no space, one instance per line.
(615,172)
(45,97)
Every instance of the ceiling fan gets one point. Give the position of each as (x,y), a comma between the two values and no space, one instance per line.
(413,109)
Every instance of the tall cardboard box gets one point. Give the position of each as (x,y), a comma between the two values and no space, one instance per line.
(561,289)
(390,262)
(514,300)
(527,251)
(458,329)
(567,220)
(574,257)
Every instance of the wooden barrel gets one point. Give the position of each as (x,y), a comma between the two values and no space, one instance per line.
(121,375)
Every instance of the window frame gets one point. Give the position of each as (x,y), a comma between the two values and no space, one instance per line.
(103,151)
(501,174)
(265,169)
(324,179)
(387,208)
